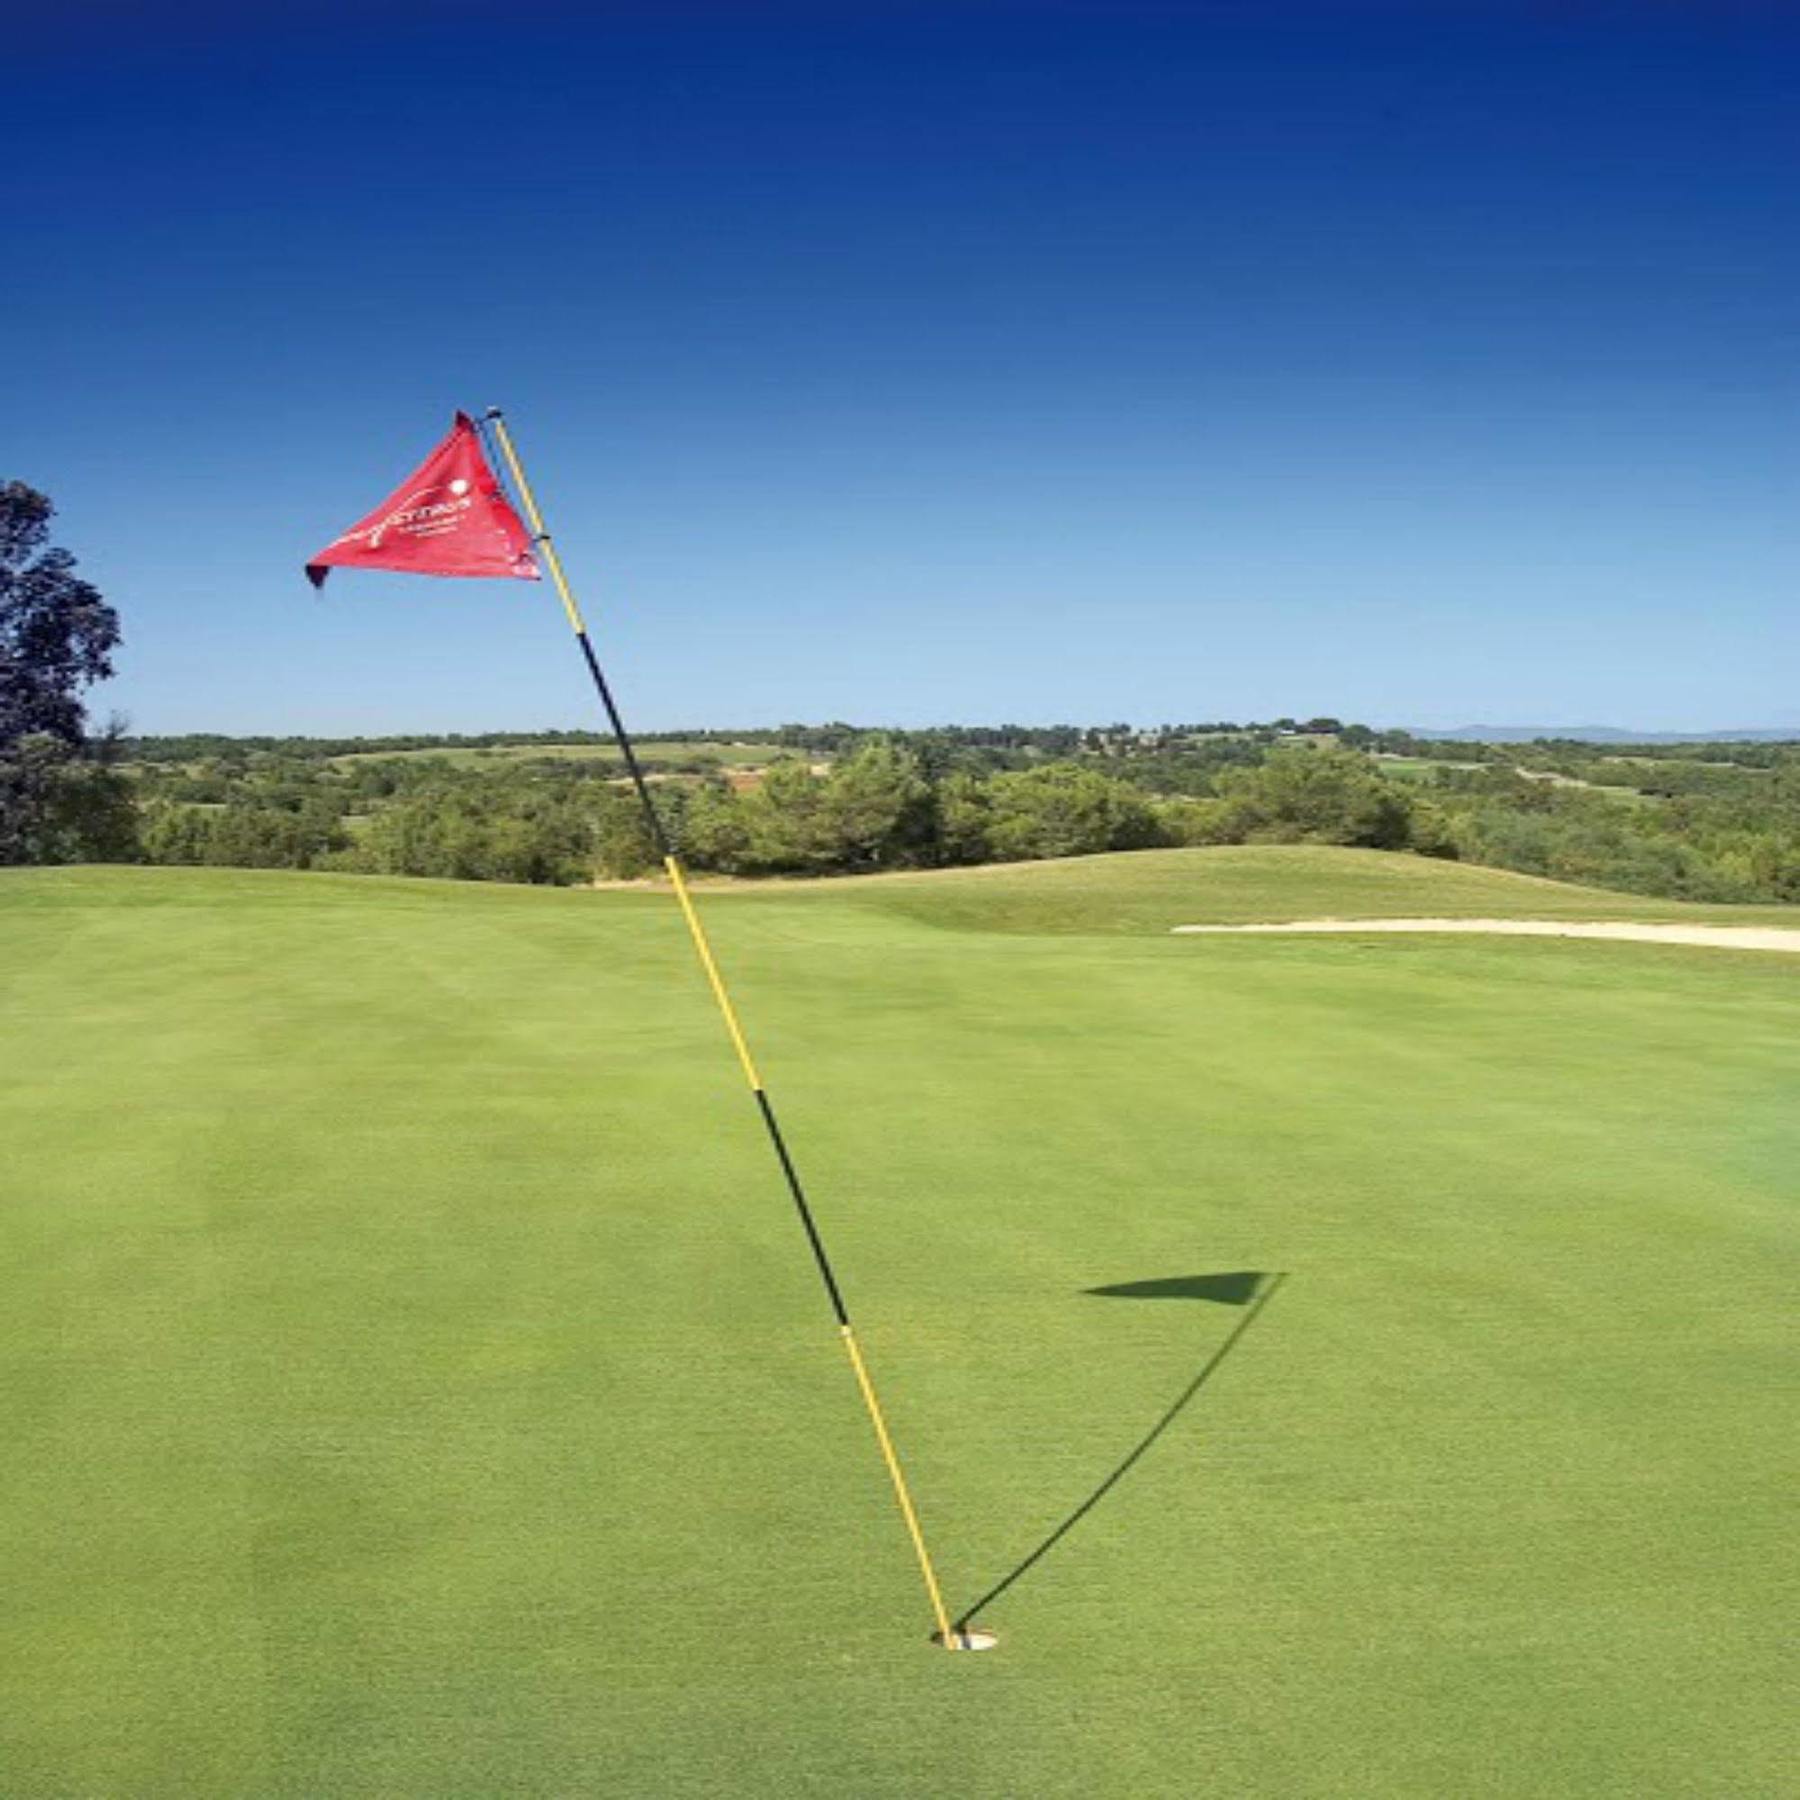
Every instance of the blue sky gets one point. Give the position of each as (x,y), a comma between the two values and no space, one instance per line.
(908,363)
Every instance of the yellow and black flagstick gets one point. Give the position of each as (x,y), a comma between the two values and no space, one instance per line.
(951,1637)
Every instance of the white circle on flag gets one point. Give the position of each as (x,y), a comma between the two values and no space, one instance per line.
(459,486)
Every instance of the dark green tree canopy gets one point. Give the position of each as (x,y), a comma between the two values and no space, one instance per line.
(61,799)
(56,632)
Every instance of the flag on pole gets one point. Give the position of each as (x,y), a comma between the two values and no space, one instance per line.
(449,517)
(454,518)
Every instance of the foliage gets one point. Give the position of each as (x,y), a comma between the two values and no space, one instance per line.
(1319,797)
(1715,821)
(60,799)
(872,810)
(239,836)
(1065,810)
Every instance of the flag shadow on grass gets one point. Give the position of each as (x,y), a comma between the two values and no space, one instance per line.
(1252,1289)
(1238,1288)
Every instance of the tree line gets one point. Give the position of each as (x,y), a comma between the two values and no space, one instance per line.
(1701,829)
(1714,821)
(881,807)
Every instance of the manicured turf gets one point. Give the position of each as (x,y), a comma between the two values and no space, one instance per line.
(412,1382)
(1155,890)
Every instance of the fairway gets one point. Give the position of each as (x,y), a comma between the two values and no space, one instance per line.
(415,1384)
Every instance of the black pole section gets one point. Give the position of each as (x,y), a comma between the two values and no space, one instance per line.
(764,1106)
(652,817)
(806,1219)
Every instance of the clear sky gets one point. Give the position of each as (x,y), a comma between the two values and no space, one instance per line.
(1420,364)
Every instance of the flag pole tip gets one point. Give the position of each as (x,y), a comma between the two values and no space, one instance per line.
(493,412)
(968,1637)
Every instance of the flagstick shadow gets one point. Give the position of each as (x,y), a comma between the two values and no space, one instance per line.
(1253,1307)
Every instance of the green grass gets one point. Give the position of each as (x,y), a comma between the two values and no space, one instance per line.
(414,1383)
(1417,771)
(1418,768)
(1156,890)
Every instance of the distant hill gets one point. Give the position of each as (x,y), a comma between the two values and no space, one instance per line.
(1606,734)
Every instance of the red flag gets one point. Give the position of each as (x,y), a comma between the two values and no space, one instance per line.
(449,517)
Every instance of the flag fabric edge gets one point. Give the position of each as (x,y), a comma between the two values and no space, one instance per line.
(450,517)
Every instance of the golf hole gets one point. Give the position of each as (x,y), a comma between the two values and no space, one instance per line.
(968,1637)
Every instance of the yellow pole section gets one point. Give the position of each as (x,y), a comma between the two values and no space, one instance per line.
(563,593)
(901,1493)
(717,981)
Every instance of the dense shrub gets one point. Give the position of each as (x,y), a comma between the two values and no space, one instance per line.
(1065,810)
(1320,797)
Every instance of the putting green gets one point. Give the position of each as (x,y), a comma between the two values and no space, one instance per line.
(414,1382)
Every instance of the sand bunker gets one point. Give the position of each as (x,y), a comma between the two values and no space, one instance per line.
(1716,937)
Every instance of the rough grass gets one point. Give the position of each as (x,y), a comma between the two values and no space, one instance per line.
(413,1383)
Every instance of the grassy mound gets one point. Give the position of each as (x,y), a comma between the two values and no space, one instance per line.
(1154,890)
(414,1384)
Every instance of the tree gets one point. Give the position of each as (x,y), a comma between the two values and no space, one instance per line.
(714,832)
(876,810)
(1063,809)
(1195,822)
(623,846)
(1321,797)
(56,639)
(964,815)
(781,823)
